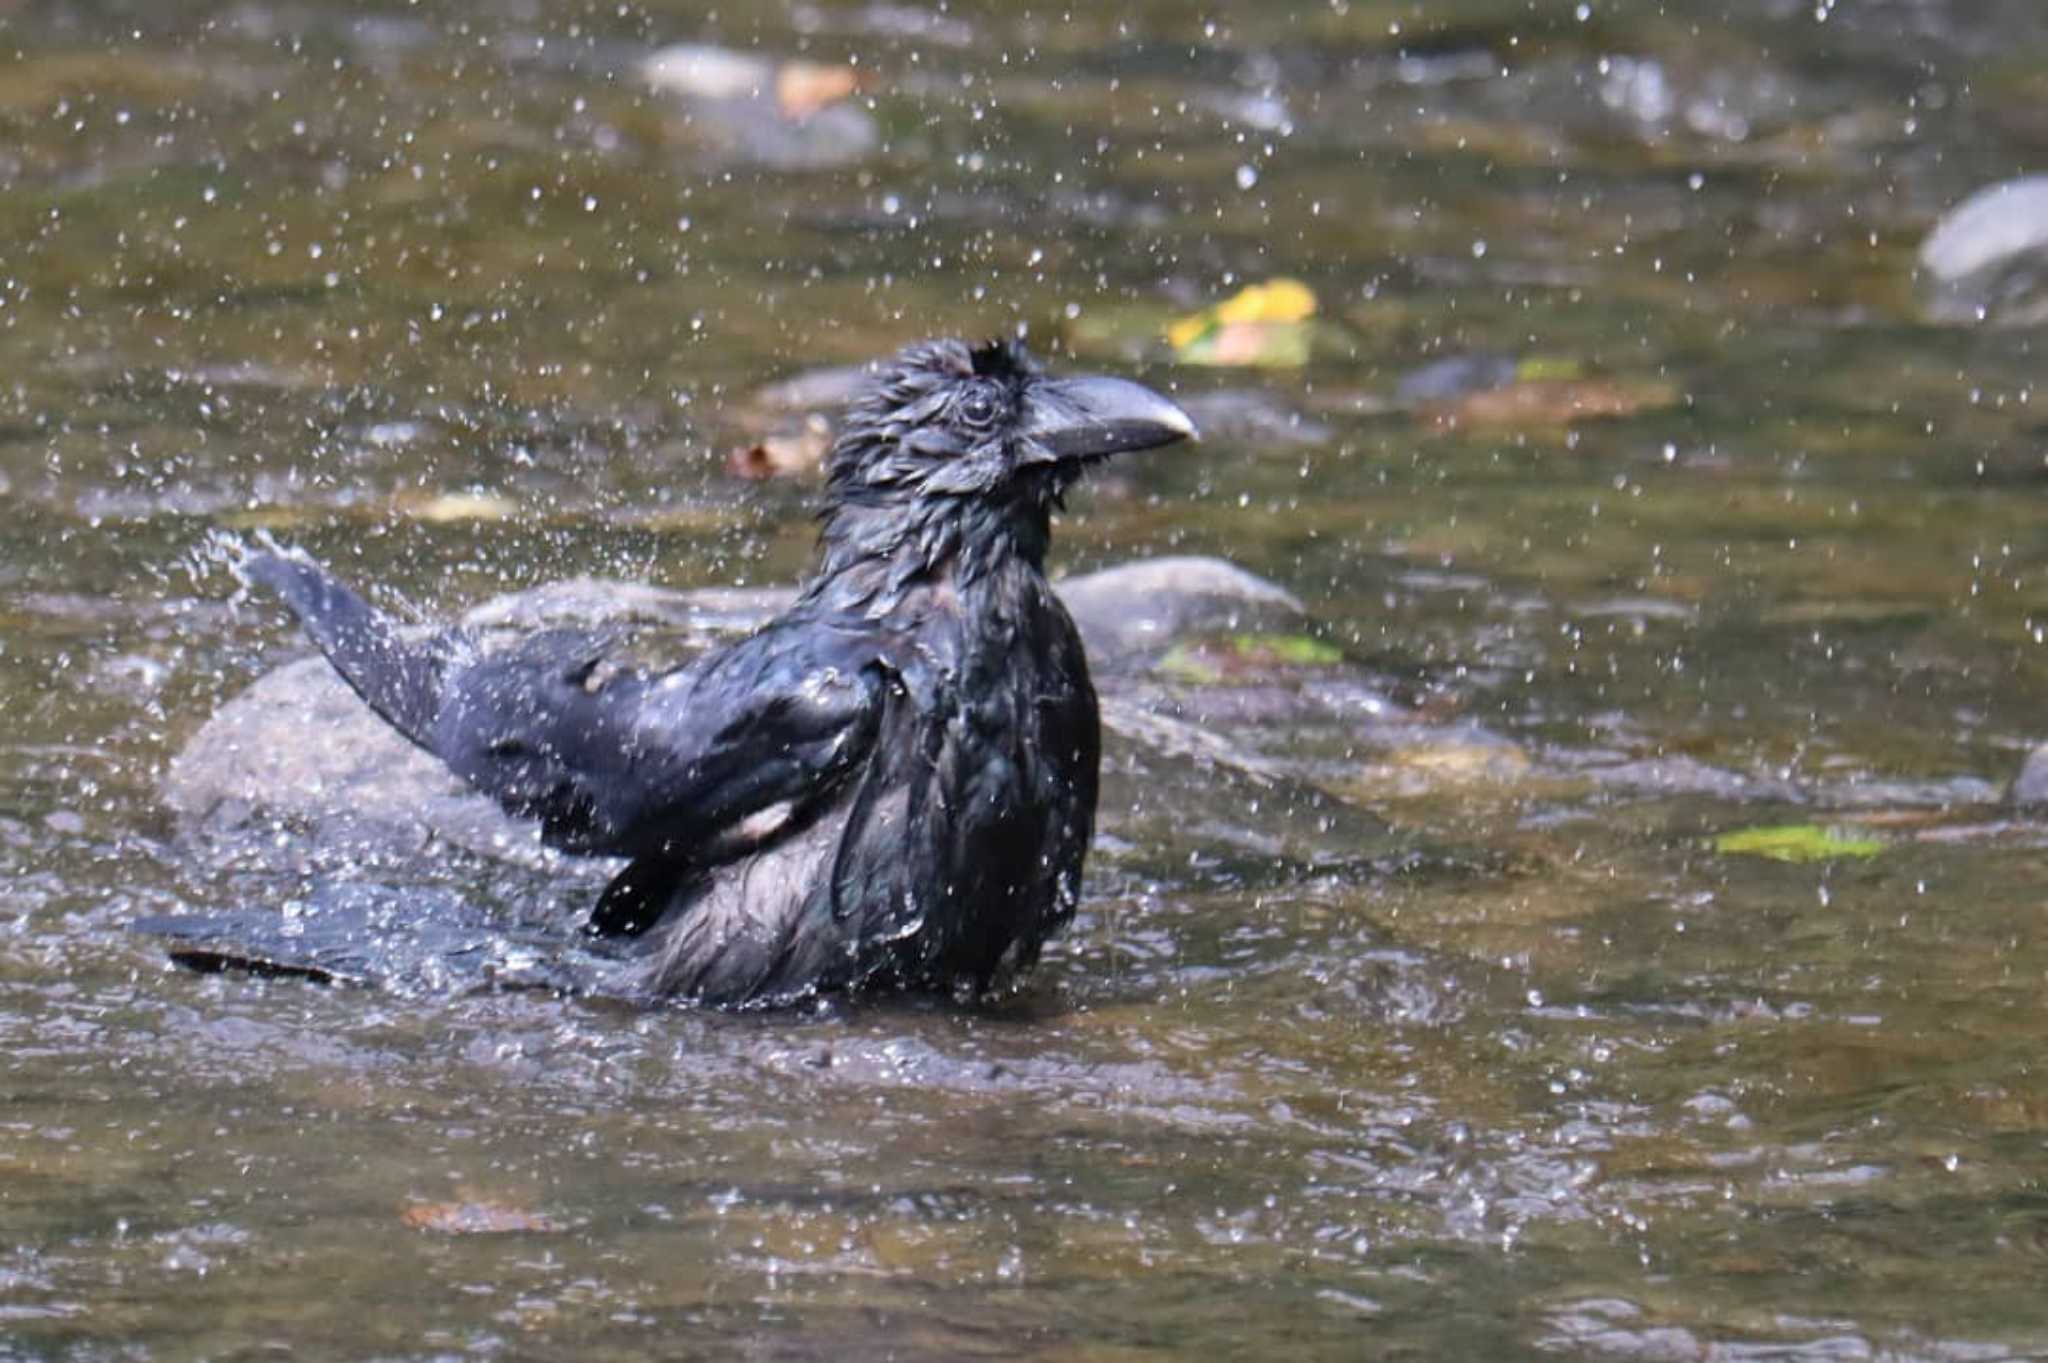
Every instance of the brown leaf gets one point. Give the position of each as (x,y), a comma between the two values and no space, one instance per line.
(784,453)
(803,88)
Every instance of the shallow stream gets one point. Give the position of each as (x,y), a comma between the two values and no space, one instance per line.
(1454,1030)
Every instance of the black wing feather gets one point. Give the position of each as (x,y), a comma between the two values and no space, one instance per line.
(622,763)
(397,677)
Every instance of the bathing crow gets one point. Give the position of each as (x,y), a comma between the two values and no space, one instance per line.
(892,785)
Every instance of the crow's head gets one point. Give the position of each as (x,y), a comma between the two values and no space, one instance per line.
(945,420)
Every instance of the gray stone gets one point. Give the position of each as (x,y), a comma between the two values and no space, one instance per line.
(1987,259)
(2030,788)
(1142,607)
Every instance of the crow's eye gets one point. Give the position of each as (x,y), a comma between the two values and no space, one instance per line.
(978,408)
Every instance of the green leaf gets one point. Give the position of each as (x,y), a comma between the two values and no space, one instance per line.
(1797,842)
(1297,650)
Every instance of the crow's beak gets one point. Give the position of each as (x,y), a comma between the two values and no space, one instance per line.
(1091,417)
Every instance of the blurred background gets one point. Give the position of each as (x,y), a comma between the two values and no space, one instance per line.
(1609,933)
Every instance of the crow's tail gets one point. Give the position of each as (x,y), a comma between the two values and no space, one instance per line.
(397,677)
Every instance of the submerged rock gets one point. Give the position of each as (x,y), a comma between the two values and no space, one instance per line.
(1987,259)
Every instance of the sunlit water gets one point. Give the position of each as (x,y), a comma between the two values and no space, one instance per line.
(443,292)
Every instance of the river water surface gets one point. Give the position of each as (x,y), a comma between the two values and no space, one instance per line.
(1466,1035)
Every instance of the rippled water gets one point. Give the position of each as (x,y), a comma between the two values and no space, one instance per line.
(1456,1038)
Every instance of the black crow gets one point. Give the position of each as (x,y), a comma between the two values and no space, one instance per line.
(890,786)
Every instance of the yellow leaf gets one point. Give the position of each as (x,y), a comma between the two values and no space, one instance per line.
(1261,324)
(1276,300)
(1185,331)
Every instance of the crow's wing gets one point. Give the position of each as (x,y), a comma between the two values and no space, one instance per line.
(698,763)
(397,676)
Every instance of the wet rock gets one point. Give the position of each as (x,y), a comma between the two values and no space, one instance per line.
(1142,607)
(2029,789)
(1987,258)
(361,789)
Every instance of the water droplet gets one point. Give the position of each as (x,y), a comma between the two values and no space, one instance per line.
(1247,176)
